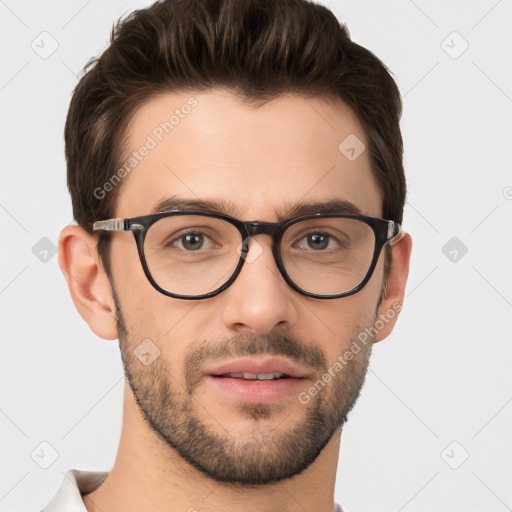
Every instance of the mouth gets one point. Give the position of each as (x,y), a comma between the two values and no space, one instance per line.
(259,368)
(254,376)
(258,380)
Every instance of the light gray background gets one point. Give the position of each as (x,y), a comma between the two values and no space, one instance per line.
(438,390)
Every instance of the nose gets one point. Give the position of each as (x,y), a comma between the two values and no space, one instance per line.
(259,300)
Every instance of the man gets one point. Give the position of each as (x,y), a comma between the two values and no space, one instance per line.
(236,176)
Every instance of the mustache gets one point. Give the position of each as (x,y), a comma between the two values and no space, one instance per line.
(247,344)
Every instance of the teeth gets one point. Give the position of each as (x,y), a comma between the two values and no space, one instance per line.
(255,376)
(262,376)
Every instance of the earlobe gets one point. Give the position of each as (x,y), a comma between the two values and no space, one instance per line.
(88,284)
(394,292)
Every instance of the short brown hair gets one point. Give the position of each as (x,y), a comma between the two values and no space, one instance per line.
(257,49)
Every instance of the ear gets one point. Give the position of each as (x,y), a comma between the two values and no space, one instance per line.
(87,280)
(391,302)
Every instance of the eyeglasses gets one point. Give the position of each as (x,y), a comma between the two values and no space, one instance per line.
(197,254)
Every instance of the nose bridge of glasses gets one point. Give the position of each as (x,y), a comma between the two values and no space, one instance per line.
(255,228)
(261,228)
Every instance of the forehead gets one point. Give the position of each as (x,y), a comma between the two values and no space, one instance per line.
(262,161)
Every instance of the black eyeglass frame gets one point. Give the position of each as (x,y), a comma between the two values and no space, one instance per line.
(384,230)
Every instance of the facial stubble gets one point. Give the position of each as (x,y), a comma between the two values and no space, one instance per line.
(173,412)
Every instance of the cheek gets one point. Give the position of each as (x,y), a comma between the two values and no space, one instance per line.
(140,303)
(373,288)
(344,319)
(174,326)
(126,267)
(149,315)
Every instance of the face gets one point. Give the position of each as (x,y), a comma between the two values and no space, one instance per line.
(261,162)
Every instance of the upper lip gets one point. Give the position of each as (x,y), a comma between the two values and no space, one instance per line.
(268,365)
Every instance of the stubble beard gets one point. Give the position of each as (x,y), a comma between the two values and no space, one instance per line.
(173,412)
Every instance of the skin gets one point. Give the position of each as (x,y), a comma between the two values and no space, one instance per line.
(262,160)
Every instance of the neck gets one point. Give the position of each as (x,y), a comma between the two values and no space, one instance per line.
(149,475)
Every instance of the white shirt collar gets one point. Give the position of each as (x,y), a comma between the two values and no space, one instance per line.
(76,483)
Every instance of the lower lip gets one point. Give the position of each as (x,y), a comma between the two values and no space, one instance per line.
(257,391)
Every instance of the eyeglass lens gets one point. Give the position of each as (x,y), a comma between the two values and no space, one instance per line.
(195,255)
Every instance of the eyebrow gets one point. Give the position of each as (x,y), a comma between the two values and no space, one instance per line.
(334,205)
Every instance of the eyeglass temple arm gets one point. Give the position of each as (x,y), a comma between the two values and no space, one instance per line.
(396,233)
(110,225)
